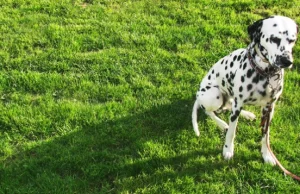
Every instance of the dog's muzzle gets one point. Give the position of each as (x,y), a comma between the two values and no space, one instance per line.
(284,61)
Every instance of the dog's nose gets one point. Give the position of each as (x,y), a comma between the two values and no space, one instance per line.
(285,61)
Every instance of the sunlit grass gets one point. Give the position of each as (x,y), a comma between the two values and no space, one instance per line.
(96,97)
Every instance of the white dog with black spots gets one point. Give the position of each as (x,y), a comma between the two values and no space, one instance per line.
(252,75)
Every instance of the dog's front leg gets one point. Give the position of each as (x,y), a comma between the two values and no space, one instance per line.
(267,114)
(230,135)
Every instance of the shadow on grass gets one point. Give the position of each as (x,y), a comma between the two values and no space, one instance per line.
(113,156)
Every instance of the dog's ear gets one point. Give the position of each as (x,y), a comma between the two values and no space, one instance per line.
(254,30)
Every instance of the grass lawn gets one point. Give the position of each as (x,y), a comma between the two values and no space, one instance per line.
(96,97)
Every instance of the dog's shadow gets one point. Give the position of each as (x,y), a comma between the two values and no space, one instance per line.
(116,153)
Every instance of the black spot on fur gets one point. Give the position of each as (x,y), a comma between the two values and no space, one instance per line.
(244,66)
(254,30)
(263,93)
(235,101)
(213,71)
(255,79)
(209,77)
(223,83)
(282,48)
(230,91)
(226,67)
(232,76)
(218,97)
(242,79)
(234,58)
(265,84)
(241,88)
(218,74)
(207,87)
(203,90)
(250,72)
(241,96)
(231,64)
(249,87)
(239,58)
(233,118)
(275,40)
(230,82)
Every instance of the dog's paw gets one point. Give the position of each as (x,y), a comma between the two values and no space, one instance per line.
(228,155)
(248,115)
(223,126)
(227,152)
(268,158)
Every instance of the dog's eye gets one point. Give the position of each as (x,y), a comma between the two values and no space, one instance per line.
(275,40)
(290,40)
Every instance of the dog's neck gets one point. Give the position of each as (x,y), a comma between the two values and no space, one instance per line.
(258,61)
(257,55)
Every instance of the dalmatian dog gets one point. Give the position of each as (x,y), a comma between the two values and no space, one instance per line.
(249,76)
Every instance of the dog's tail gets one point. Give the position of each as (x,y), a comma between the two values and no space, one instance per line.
(194,117)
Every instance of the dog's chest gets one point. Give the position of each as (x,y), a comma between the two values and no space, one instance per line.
(237,79)
(263,92)
(250,87)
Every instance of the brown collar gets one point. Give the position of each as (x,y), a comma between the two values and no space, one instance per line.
(259,70)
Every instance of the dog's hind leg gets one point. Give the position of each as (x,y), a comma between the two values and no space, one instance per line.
(210,100)
(221,124)
(248,115)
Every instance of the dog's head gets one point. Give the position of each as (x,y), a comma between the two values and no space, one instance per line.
(275,37)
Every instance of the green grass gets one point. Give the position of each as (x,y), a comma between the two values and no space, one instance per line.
(96,97)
